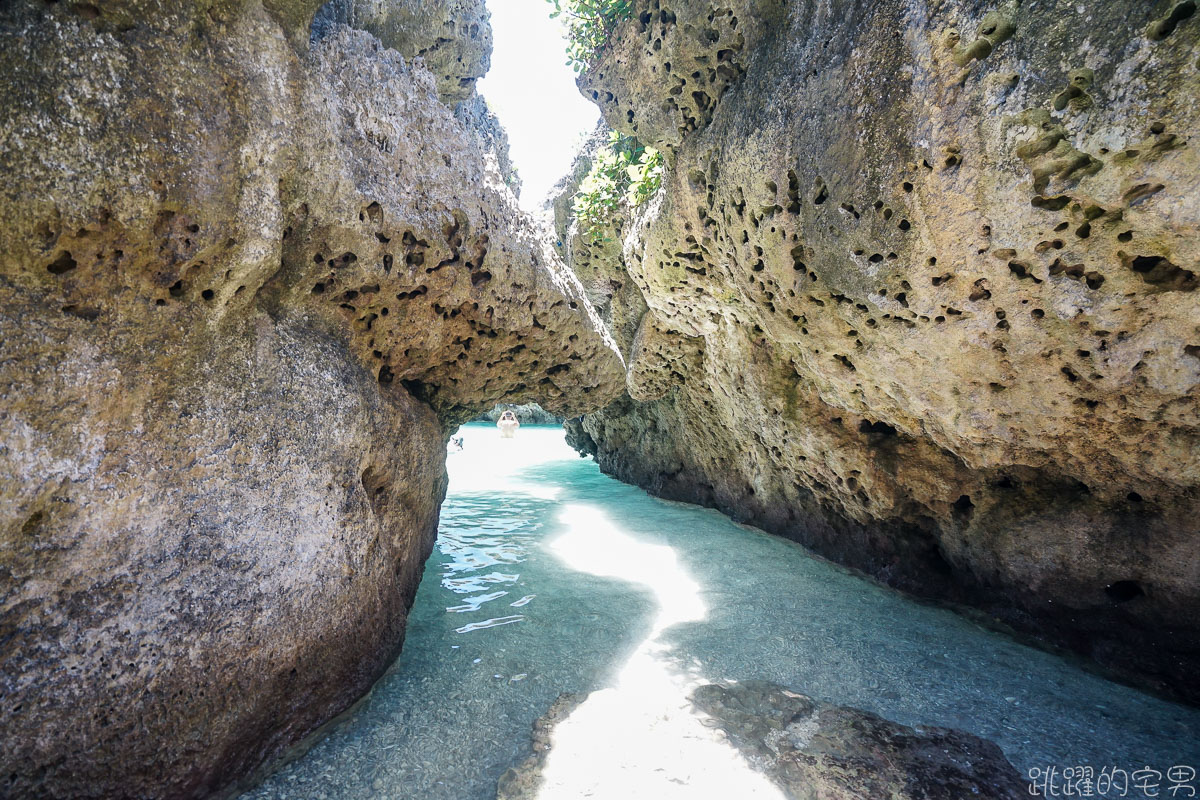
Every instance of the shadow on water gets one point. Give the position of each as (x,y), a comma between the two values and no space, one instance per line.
(549,577)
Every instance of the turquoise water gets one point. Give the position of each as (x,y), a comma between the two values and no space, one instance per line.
(550,577)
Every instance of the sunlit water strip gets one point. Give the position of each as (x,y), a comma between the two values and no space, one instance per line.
(550,577)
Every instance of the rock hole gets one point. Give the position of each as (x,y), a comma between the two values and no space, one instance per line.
(1123,591)
(876,428)
(1022,270)
(31,525)
(82,312)
(64,263)
(375,212)
(793,192)
(1160,272)
(1050,203)
(980,292)
(1162,28)
(1140,192)
(963,507)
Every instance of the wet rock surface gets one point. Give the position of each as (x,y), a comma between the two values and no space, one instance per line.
(920,292)
(249,287)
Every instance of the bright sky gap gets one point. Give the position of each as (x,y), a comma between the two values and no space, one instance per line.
(532,90)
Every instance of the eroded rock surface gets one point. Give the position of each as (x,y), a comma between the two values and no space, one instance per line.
(247,290)
(452,37)
(920,292)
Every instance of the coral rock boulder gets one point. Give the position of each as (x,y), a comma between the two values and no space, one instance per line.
(248,288)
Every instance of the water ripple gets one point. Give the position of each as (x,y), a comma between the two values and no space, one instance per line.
(490,623)
(474,603)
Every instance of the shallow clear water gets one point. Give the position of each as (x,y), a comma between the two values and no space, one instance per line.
(550,577)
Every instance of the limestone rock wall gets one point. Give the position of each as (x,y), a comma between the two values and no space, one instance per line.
(247,290)
(596,256)
(475,116)
(921,294)
(453,40)
(452,37)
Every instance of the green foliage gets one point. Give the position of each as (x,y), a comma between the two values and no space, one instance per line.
(623,171)
(513,178)
(590,23)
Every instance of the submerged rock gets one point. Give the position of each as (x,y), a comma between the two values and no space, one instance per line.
(524,781)
(248,288)
(920,291)
(816,750)
(809,750)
